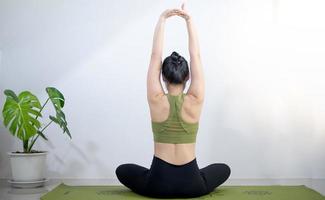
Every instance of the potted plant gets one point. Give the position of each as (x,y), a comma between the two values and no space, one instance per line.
(21,116)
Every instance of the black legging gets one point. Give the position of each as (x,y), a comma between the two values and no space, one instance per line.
(166,180)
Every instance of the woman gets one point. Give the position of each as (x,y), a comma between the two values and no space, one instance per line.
(174,172)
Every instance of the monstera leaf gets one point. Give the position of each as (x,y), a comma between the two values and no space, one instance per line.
(57,99)
(19,114)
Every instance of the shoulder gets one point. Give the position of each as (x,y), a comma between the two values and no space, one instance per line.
(193,100)
(158,102)
(159,107)
(157,99)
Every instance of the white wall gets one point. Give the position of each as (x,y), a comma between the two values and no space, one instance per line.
(264,112)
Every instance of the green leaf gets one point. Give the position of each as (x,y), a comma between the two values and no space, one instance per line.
(11,94)
(61,122)
(54,119)
(56,97)
(19,114)
(58,100)
(42,135)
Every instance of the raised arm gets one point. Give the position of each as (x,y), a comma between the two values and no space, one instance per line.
(197,87)
(154,87)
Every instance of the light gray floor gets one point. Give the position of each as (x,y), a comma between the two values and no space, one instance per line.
(9,193)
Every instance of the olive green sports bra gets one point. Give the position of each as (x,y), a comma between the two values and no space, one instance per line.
(174,129)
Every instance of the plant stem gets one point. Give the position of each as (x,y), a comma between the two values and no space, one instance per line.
(25,144)
(34,140)
(43,106)
(32,143)
(46,126)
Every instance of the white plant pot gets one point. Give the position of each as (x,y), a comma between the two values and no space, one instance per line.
(27,166)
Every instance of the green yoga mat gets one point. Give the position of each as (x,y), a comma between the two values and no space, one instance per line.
(117,192)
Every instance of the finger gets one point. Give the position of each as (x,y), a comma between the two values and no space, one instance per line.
(168,11)
(184,5)
(183,13)
(172,12)
(177,10)
(168,15)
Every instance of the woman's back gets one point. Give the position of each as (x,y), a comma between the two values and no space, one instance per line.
(190,110)
(175,72)
(174,171)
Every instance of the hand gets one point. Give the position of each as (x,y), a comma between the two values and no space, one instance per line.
(180,12)
(170,12)
(183,12)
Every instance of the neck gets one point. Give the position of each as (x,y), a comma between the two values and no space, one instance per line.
(175,89)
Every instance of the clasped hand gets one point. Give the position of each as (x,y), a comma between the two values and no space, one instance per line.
(176,11)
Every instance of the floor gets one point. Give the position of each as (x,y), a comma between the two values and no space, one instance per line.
(9,193)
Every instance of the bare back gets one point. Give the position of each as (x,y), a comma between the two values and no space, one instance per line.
(190,112)
(158,101)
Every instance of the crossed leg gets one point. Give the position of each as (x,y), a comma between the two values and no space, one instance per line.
(215,174)
(133,176)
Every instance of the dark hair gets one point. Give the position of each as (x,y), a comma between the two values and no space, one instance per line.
(175,68)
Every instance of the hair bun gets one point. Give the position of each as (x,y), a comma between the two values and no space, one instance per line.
(176,57)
